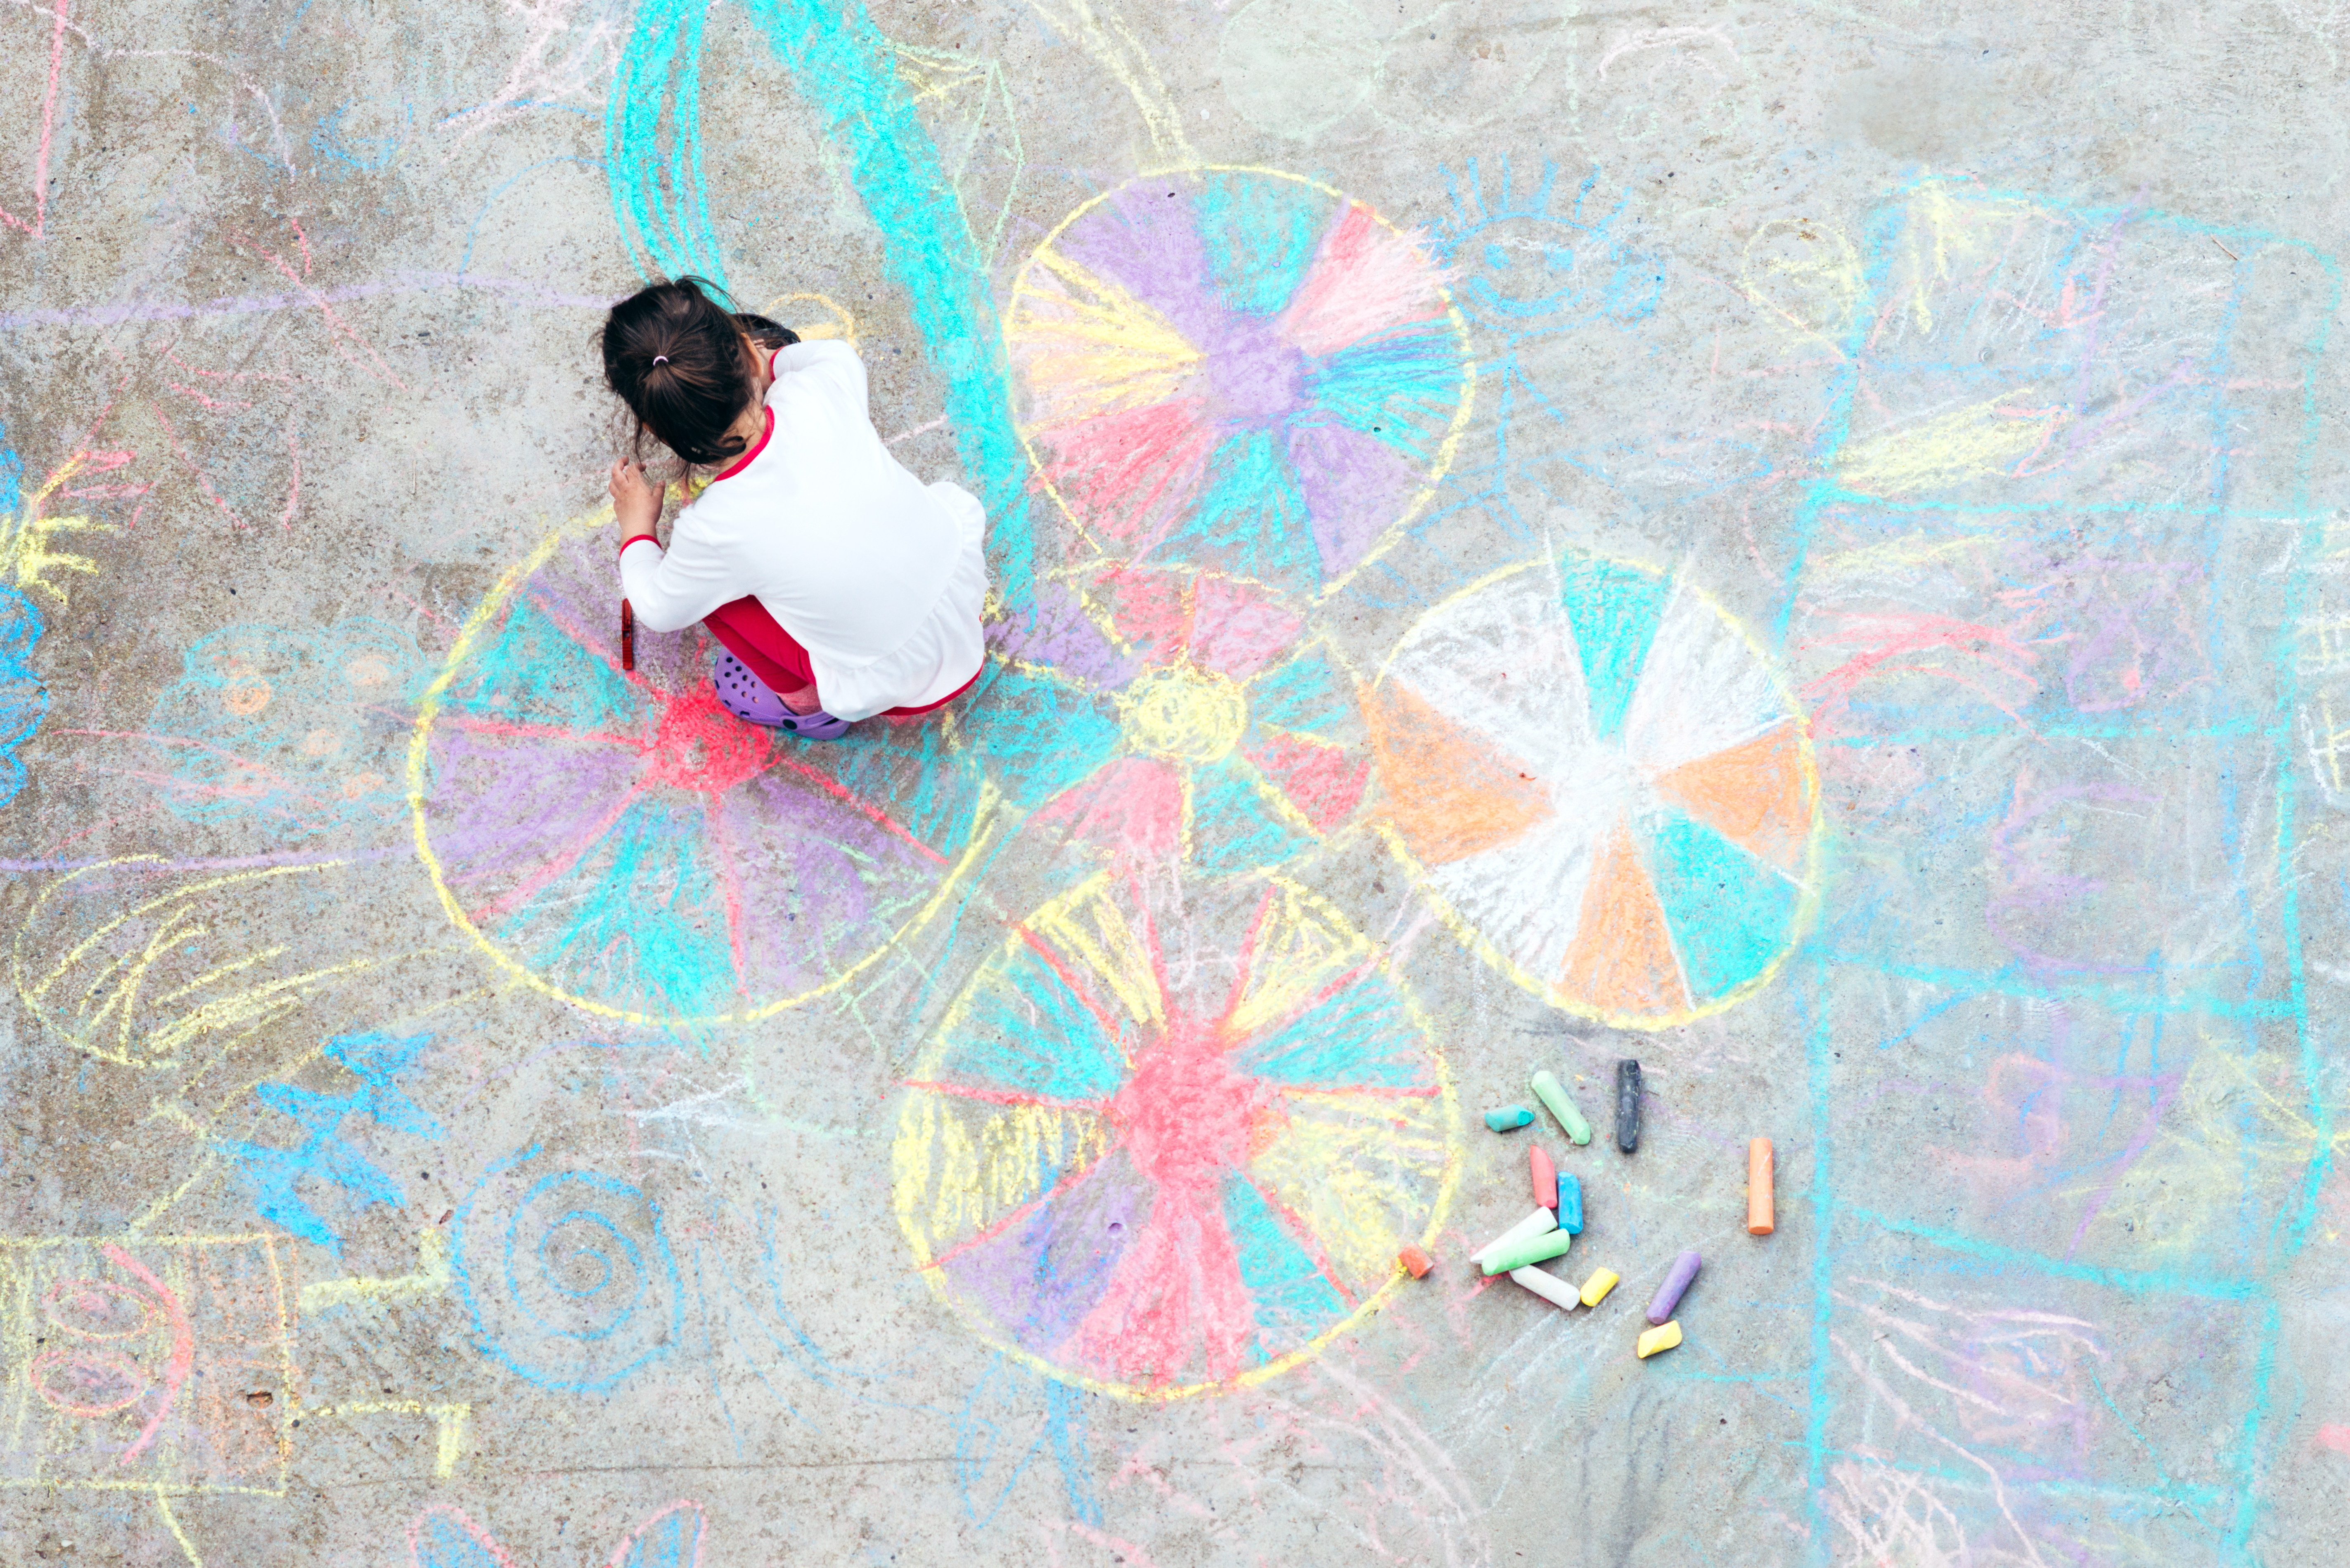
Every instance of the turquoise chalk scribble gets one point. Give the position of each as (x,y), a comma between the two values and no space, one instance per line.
(847,72)
(23,700)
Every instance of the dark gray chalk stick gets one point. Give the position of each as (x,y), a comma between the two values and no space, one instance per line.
(1627,1106)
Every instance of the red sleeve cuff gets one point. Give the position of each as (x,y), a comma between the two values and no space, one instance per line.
(634,538)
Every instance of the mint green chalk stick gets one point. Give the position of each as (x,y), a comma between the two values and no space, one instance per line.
(1527,1253)
(1553,1099)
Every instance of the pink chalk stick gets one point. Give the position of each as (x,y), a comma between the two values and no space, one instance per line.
(1546,1178)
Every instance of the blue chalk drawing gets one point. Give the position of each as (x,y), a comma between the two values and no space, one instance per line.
(568,1273)
(2133,319)
(277,1175)
(1613,610)
(1528,269)
(443,1537)
(23,700)
(847,72)
(299,731)
(1294,1297)
(1007,1403)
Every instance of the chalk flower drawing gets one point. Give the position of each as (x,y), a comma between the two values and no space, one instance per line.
(1237,368)
(1236,744)
(1604,783)
(1166,1144)
(299,729)
(619,841)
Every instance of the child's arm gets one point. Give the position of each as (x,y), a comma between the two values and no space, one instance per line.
(667,590)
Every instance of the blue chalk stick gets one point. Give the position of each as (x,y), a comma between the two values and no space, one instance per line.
(1570,1203)
(1508,1118)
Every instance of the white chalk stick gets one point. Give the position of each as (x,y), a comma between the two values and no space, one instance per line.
(1550,1287)
(1533,1224)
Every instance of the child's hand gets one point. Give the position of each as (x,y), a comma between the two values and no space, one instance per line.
(635,503)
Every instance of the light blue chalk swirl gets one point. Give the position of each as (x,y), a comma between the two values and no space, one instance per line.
(567,1274)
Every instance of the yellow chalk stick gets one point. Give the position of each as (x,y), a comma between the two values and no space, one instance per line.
(1595,1288)
(1664,1336)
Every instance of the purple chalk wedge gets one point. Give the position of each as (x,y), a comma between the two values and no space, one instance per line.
(1668,1294)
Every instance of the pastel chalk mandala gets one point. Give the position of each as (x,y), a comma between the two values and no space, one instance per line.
(617,840)
(1170,1142)
(1237,368)
(1604,784)
(1192,714)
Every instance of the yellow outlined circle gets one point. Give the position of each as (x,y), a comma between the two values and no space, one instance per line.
(1046,257)
(944,1181)
(1804,873)
(471,638)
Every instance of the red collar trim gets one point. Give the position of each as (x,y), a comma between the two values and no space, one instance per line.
(771,358)
(740,463)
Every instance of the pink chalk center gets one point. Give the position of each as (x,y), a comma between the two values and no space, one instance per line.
(701,746)
(1185,1116)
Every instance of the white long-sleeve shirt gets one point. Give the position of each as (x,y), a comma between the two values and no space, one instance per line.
(878,575)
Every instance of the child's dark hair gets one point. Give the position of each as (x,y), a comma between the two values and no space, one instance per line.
(673,353)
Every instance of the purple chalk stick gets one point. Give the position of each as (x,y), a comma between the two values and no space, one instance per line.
(1668,1294)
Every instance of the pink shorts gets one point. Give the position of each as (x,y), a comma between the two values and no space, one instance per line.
(760,645)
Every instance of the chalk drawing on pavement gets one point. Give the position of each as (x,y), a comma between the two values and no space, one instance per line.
(568,1273)
(617,840)
(129,1364)
(1191,714)
(1237,368)
(1170,1141)
(1604,785)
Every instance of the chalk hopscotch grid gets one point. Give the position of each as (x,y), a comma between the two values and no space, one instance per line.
(1842,1230)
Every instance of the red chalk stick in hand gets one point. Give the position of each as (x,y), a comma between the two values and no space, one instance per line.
(1546,1178)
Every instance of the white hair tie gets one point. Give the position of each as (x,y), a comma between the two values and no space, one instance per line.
(660,359)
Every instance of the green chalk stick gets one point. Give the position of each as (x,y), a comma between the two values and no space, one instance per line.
(1523,1254)
(1553,1099)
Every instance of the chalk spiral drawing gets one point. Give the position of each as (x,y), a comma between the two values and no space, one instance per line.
(1167,1143)
(1237,368)
(443,1536)
(1604,784)
(619,841)
(568,1273)
(1237,743)
(303,730)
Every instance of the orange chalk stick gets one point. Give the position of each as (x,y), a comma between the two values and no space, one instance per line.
(1418,1262)
(1760,1216)
(1546,1178)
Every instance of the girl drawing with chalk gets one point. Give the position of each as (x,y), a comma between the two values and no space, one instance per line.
(839,586)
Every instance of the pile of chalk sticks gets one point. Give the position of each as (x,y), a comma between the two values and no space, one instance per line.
(1557,1218)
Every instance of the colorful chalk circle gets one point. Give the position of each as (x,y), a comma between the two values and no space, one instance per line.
(1165,1143)
(1604,784)
(1162,712)
(616,839)
(1240,369)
